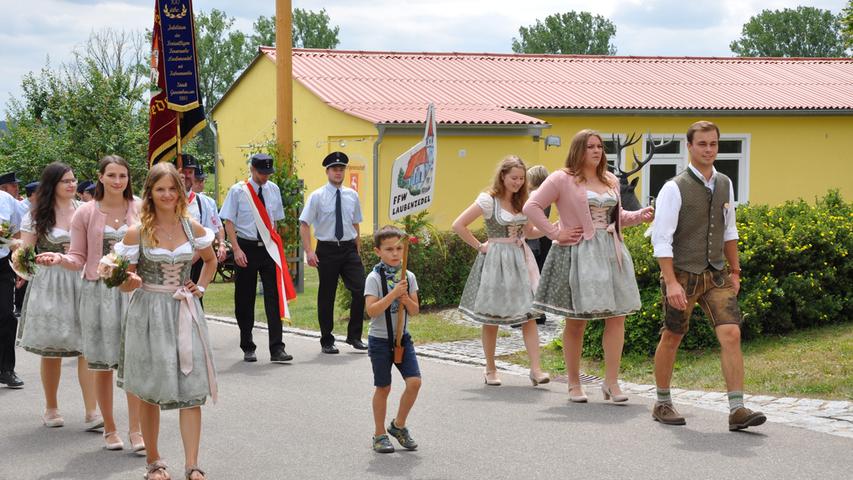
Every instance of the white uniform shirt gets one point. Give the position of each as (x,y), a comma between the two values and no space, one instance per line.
(237,208)
(319,212)
(208,217)
(10,212)
(667,206)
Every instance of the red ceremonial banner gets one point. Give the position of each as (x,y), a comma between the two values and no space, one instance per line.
(162,122)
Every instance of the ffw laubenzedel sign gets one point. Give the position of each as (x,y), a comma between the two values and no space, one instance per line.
(177,31)
(413,174)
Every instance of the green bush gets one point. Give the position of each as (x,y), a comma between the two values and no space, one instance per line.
(796,273)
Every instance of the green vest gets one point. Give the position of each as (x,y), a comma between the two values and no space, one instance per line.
(698,239)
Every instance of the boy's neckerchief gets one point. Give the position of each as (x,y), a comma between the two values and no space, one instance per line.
(391,276)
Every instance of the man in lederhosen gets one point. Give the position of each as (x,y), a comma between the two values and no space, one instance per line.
(334,212)
(695,241)
(10,214)
(252,257)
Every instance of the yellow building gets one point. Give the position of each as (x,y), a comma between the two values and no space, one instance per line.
(787,124)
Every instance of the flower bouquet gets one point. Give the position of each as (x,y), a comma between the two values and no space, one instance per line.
(24,262)
(113,269)
(6,232)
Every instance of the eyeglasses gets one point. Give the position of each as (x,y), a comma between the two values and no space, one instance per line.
(72,181)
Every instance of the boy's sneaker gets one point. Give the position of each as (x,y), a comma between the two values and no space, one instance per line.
(382,444)
(402,436)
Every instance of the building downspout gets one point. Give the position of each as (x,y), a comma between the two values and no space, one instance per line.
(212,124)
(381,129)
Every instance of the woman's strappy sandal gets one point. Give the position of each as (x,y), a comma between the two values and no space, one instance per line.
(159,467)
(192,470)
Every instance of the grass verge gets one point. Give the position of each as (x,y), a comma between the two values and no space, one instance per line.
(815,363)
(428,327)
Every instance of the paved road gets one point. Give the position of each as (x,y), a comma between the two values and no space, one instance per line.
(312,420)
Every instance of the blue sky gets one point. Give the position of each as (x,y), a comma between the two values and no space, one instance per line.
(37,30)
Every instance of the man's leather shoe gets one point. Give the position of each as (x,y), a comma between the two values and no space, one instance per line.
(357,344)
(745,418)
(250,357)
(280,357)
(11,380)
(330,349)
(667,414)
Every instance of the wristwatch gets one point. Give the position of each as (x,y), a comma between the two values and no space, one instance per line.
(200,289)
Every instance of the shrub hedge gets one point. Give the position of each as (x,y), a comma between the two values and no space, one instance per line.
(796,273)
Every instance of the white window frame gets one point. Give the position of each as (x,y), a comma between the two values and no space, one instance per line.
(677,159)
(743,164)
(607,137)
(680,161)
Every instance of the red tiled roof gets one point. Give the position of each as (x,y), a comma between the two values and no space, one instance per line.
(389,87)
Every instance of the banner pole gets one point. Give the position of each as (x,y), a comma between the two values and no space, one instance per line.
(401,310)
(180,161)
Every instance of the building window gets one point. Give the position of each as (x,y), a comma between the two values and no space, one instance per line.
(732,160)
(666,163)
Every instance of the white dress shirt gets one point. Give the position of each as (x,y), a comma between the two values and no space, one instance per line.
(237,208)
(208,217)
(10,212)
(319,212)
(667,206)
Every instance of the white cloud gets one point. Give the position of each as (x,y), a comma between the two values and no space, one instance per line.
(36,29)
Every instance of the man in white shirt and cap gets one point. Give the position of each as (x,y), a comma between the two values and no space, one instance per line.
(335,213)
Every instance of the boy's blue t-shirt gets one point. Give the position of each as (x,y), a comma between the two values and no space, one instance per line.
(373,286)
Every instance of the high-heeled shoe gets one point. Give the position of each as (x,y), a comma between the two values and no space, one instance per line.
(577,398)
(543,378)
(93,422)
(116,445)
(496,382)
(52,418)
(608,395)
(137,446)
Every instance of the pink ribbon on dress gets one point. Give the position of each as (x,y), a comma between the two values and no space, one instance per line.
(529,259)
(188,315)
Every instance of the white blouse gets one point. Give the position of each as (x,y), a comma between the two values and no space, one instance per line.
(486,204)
(131,252)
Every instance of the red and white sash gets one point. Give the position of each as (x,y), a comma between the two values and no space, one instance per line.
(275,247)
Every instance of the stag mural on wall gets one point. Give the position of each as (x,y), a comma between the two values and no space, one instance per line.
(626,188)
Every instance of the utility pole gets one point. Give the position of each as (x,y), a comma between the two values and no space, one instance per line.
(284,83)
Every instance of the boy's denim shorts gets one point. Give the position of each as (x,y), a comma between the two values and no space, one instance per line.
(381,357)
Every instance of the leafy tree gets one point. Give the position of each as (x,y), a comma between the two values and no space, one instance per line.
(847,24)
(90,107)
(223,52)
(578,33)
(310,30)
(800,32)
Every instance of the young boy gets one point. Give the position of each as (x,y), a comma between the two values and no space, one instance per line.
(384,291)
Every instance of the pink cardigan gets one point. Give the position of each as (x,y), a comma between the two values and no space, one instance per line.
(573,207)
(87,235)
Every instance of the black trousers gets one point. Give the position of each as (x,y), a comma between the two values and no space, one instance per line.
(195,274)
(245,290)
(8,322)
(19,297)
(339,260)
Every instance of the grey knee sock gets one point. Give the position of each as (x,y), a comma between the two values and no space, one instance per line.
(735,400)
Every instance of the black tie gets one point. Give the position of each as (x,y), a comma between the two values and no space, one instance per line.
(339,219)
(261,198)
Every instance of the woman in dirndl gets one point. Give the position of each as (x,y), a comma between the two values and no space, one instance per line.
(50,320)
(499,289)
(589,273)
(166,357)
(97,225)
